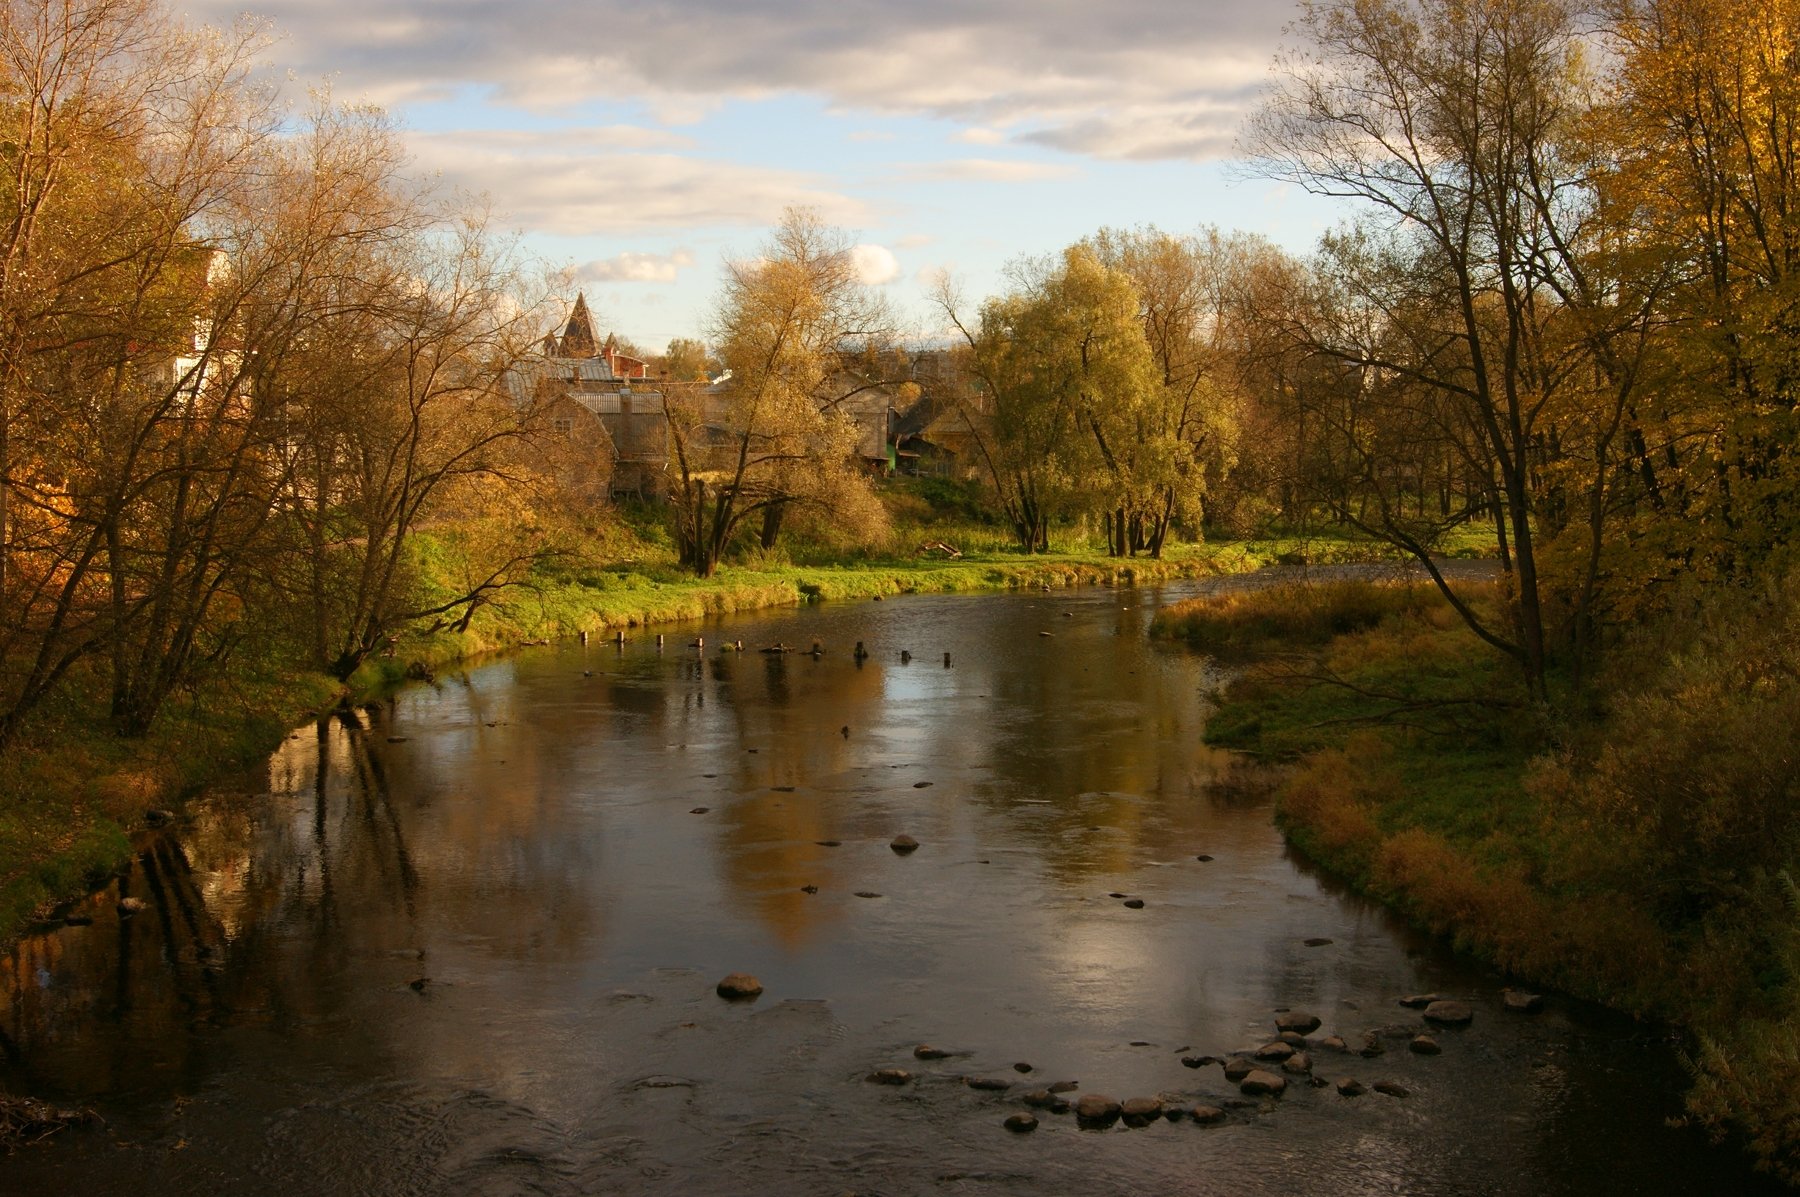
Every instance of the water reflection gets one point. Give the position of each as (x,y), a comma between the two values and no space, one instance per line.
(464,941)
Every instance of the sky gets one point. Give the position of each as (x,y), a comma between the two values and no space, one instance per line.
(641,144)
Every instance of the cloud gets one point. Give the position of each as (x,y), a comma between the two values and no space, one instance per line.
(875,264)
(915,240)
(544,182)
(637,268)
(1123,79)
(977,135)
(989,170)
(870,135)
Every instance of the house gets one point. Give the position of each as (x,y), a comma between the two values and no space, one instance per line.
(612,437)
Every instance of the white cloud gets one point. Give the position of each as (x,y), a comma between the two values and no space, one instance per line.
(875,264)
(637,267)
(870,135)
(1131,78)
(915,240)
(976,135)
(989,170)
(548,184)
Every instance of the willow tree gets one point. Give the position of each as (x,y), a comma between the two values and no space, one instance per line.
(773,436)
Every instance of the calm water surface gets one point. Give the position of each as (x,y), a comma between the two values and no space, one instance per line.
(466,942)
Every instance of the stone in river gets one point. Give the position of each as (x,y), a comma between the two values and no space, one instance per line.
(1297,1021)
(1096,1108)
(993,1084)
(1115,894)
(1237,1068)
(1521,1002)
(1022,1066)
(927,1052)
(1207,1115)
(1065,1086)
(1141,1111)
(1292,1039)
(867,893)
(1274,1052)
(1299,1062)
(809,889)
(889,1076)
(921,785)
(1371,1045)
(1351,1087)
(699,810)
(1020,1124)
(1333,1043)
(1418,1001)
(1260,1083)
(1203,857)
(829,843)
(1450,1014)
(1199,1061)
(1392,1089)
(903,844)
(1425,1045)
(1318,941)
(1041,1099)
(739,986)
(1135,903)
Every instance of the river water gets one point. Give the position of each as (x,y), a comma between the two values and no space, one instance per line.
(466,942)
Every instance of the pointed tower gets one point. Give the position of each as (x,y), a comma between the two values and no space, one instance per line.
(578,335)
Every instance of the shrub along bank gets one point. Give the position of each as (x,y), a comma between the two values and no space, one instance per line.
(1634,844)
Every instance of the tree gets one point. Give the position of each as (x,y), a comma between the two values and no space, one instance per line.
(1068,418)
(777,436)
(1475,303)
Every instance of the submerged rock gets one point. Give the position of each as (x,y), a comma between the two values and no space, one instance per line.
(1351,1087)
(1392,1089)
(1418,1001)
(1134,903)
(1207,1115)
(1020,1124)
(927,1052)
(1518,1001)
(904,844)
(1425,1045)
(889,1076)
(991,1084)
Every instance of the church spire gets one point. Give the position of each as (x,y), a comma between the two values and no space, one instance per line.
(578,335)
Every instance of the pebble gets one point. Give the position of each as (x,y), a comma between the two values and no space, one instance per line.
(1207,1115)
(829,843)
(1021,1066)
(1418,1001)
(991,1084)
(921,785)
(1134,903)
(1318,941)
(1274,1052)
(1199,1061)
(1203,857)
(1292,1039)
(1020,1124)
(889,1076)
(699,810)
(1333,1043)
(1299,1062)
(1237,1068)
(1425,1045)
(903,844)
(1351,1087)
(809,889)
(927,1052)
(1392,1089)
(867,893)
(1065,1086)
(1371,1045)
(738,986)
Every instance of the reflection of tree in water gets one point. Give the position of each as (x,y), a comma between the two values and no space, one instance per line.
(247,918)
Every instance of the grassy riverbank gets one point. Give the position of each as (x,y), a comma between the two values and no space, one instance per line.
(1633,844)
(73,791)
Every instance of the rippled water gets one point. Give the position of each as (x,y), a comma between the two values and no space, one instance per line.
(466,942)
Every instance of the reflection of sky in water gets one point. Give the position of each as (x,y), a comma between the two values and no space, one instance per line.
(521,836)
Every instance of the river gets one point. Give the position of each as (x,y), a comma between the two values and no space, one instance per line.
(466,942)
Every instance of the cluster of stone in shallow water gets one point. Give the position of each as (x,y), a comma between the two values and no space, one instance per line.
(1260,1073)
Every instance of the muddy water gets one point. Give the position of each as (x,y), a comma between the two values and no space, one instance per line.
(466,942)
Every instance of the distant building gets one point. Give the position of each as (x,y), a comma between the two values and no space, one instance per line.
(614,436)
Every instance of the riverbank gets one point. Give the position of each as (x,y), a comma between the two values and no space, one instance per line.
(1633,845)
(73,792)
